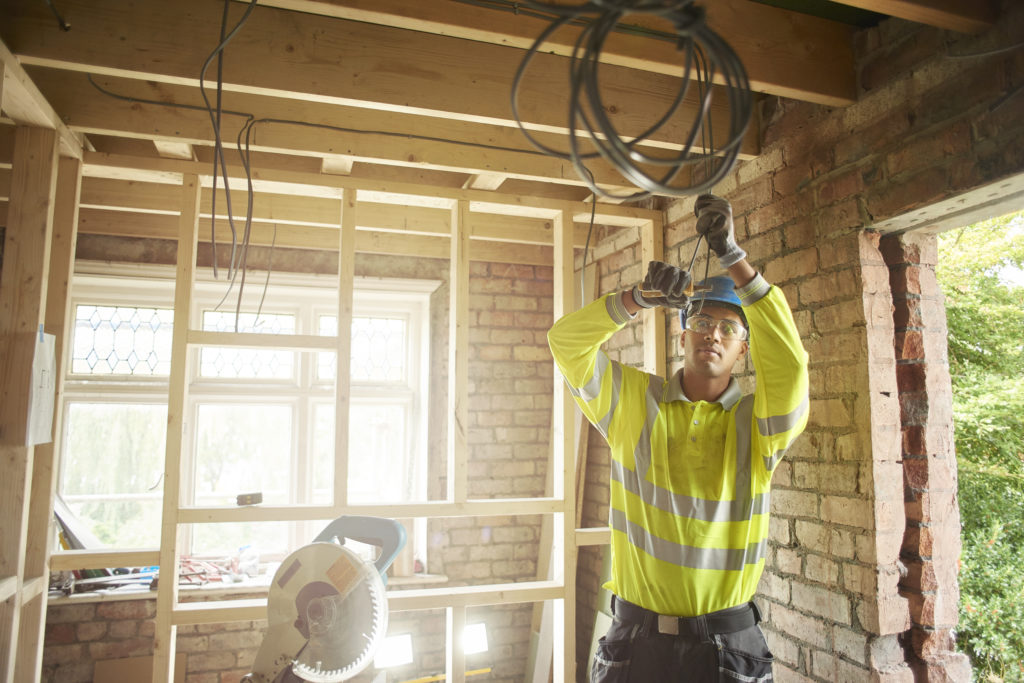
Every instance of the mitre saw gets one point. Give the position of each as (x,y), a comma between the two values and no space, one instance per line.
(326,608)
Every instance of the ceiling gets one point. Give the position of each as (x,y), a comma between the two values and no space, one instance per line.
(392,91)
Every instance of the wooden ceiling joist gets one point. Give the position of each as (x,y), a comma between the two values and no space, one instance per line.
(785,53)
(96,164)
(22,102)
(964,16)
(387,138)
(316,59)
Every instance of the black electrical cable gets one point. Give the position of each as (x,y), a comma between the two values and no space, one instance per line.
(215,115)
(705,57)
(64,26)
(586,247)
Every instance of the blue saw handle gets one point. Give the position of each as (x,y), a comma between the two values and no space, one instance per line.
(386,534)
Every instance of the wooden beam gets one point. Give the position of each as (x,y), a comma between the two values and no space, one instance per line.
(21,100)
(319,185)
(57,317)
(358,134)
(23,285)
(174,150)
(337,165)
(563,439)
(964,16)
(157,226)
(806,57)
(346,245)
(458,356)
(165,631)
(316,59)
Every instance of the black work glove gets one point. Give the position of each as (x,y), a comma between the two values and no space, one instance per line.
(667,279)
(714,222)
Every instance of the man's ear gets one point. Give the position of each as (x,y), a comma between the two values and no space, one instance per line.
(744,350)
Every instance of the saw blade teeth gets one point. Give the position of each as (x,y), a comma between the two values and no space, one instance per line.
(318,675)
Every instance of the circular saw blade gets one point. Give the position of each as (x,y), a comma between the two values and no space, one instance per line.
(342,611)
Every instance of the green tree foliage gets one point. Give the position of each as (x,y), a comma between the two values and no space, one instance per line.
(981,272)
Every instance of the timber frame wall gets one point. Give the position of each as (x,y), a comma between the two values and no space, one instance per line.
(39,255)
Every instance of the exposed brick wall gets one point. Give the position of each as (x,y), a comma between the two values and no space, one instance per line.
(931,544)
(927,127)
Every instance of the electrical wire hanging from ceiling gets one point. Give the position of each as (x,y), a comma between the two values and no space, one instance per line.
(593,134)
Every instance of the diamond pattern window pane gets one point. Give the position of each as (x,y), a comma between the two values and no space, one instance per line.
(235,363)
(378,349)
(122,340)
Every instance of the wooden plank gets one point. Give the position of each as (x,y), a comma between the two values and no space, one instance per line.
(965,16)
(165,636)
(564,654)
(316,184)
(286,513)
(454,651)
(174,149)
(23,284)
(31,589)
(318,59)
(70,560)
(593,536)
(8,587)
(458,356)
(252,340)
(126,224)
(343,345)
(359,134)
(398,601)
(287,210)
(582,432)
(652,248)
(807,58)
(44,468)
(21,100)
(468,596)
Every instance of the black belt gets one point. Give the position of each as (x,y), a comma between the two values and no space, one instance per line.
(727,620)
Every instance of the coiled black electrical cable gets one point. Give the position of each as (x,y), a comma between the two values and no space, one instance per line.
(592,133)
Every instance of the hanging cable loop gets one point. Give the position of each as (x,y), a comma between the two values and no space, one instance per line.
(647,161)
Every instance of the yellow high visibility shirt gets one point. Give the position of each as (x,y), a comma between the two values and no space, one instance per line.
(690,480)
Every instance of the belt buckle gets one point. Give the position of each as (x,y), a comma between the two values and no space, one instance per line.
(668,625)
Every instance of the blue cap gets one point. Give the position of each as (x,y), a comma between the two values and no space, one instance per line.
(715,291)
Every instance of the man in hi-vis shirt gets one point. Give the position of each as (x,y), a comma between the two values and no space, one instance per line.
(692,461)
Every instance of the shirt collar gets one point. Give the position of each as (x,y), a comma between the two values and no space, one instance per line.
(727,400)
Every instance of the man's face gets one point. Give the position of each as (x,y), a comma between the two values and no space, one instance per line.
(709,354)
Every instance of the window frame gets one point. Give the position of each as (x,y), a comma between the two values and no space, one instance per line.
(314,296)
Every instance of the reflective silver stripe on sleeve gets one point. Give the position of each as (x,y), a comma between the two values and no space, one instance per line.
(613,403)
(590,390)
(642,451)
(728,559)
(779,424)
(772,461)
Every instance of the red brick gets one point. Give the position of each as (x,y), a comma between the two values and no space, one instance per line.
(895,198)
(912,376)
(837,219)
(914,440)
(909,345)
(929,150)
(59,634)
(840,187)
(900,57)
(949,668)
(134,647)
